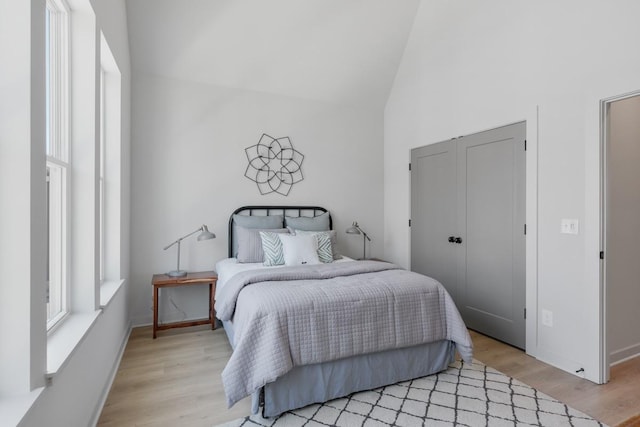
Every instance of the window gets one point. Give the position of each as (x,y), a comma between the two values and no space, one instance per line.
(109,149)
(57,150)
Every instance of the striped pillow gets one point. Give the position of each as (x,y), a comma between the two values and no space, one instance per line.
(272,249)
(325,253)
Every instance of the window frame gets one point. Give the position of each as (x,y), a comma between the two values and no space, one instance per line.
(110,170)
(102,173)
(57,72)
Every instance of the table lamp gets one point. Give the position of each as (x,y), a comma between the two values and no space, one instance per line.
(204,235)
(355,229)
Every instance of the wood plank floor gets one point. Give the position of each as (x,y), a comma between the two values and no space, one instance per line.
(174,380)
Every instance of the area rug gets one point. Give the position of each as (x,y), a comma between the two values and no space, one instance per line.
(466,394)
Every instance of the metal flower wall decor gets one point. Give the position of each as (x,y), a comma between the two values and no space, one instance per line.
(274,165)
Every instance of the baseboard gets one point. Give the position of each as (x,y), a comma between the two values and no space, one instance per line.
(624,354)
(168,317)
(112,377)
(174,316)
(141,324)
(137,321)
(571,366)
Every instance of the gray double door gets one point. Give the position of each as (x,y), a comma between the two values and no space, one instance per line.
(468,226)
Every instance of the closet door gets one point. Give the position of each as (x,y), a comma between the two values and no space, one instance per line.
(433,208)
(467,226)
(491,221)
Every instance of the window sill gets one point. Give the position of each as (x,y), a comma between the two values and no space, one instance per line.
(13,408)
(64,340)
(108,290)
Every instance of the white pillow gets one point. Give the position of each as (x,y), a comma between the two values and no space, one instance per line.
(332,234)
(299,250)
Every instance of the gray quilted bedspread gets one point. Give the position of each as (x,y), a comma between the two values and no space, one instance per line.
(296,316)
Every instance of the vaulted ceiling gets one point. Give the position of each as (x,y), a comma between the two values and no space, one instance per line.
(339,51)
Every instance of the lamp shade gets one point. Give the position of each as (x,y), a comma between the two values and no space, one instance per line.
(206,234)
(354,229)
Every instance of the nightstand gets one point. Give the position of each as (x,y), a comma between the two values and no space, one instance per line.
(200,278)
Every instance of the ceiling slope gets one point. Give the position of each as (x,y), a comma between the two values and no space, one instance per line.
(338,51)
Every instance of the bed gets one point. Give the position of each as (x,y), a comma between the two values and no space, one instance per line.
(309,333)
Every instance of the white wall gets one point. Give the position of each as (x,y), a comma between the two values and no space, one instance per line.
(188,164)
(470,66)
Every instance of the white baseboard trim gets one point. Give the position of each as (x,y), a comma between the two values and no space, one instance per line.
(624,354)
(112,377)
(140,323)
(143,321)
(568,365)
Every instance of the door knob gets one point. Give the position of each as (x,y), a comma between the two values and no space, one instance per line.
(458,240)
(452,239)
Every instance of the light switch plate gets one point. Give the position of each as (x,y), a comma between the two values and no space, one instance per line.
(569,226)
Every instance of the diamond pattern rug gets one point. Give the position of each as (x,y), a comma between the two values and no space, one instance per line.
(466,394)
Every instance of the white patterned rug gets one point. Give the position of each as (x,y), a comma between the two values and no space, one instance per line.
(471,395)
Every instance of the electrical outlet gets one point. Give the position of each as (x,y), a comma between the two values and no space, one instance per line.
(547,318)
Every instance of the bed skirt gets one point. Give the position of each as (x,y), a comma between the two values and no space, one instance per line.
(304,385)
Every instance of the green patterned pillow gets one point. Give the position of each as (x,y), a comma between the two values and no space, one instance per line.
(325,253)
(272,249)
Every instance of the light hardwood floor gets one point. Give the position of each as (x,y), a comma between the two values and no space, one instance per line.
(174,380)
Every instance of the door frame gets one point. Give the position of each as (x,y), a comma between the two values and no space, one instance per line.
(604,348)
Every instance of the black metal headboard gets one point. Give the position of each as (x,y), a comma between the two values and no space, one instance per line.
(308,211)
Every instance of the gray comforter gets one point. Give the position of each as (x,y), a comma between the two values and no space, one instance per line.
(296,316)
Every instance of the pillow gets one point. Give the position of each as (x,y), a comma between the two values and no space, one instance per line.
(273,253)
(299,250)
(250,244)
(333,235)
(325,254)
(317,223)
(271,248)
(246,221)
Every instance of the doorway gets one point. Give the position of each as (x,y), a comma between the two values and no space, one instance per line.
(620,229)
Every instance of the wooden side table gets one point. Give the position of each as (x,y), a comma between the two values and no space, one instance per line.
(199,278)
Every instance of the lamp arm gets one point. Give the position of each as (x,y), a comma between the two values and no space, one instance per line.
(365,234)
(182,238)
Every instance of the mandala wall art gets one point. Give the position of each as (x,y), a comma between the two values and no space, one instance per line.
(274,165)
